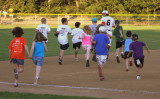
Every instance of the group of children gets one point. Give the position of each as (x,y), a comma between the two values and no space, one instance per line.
(96,37)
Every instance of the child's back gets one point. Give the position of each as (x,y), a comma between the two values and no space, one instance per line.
(39,49)
(17,48)
(127,43)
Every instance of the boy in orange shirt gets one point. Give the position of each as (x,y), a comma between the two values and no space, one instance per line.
(17,49)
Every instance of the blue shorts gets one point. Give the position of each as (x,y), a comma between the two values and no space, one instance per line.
(17,61)
(39,61)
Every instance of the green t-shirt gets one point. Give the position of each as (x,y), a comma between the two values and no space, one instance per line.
(116,33)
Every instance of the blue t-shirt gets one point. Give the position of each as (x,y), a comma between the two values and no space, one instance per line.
(127,43)
(39,49)
(101,44)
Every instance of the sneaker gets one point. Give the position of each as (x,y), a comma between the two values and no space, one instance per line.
(16,74)
(122,55)
(102,78)
(94,58)
(138,77)
(127,70)
(36,81)
(15,84)
(60,61)
(76,59)
(87,63)
(118,61)
(130,63)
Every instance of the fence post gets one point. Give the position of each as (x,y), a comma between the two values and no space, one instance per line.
(126,20)
(58,20)
(148,19)
(81,18)
(35,19)
(12,18)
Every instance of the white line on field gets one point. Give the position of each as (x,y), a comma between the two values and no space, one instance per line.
(73,87)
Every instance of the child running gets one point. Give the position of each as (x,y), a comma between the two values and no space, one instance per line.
(87,42)
(76,33)
(62,32)
(17,49)
(94,30)
(118,33)
(44,28)
(101,41)
(126,45)
(137,48)
(37,53)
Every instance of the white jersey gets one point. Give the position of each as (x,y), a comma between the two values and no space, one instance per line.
(76,33)
(44,29)
(63,34)
(109,22)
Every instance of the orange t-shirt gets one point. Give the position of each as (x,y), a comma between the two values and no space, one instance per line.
(17,48)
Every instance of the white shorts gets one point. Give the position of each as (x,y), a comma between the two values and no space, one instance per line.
(101,59)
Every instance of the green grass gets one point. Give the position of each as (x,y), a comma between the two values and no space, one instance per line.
(15,95)
(149,35)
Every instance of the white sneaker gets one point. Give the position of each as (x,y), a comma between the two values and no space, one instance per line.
(15,84)
(138,77)
(76,59)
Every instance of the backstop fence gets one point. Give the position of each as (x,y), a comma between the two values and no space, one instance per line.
(85,19)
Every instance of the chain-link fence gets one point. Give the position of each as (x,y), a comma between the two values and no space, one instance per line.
(85,19)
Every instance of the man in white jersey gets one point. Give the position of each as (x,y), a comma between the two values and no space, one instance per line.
(108,22)
(62,32)
(44,28)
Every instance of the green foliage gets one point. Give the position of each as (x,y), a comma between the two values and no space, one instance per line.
(82,6)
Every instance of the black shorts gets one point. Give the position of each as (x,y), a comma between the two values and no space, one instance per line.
(64,47)
(77,45)
(119,44)
(125,55)
(141,61)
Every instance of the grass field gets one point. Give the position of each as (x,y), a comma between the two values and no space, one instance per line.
(148,34)
(9,95)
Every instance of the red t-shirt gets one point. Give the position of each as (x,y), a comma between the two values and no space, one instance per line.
(17,48)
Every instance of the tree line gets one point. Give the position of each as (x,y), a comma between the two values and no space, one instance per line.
(82,6)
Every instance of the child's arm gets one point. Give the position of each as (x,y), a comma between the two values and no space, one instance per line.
(56,33)
(31,51)
(26,48)
(129,53)
(146,47)
(45,47)
(120,31)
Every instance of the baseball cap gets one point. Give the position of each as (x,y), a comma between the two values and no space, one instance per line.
(104,12)
(135,36)
(94,19)
(102,29)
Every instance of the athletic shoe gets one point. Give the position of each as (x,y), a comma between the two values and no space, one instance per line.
(130,63)
(127,70)
(87,63)
(15,84)
(16,74)
(138,77)
(60,61)
(36,81)
(118,61)
(122,55)
(94,58)
(102,78)
(76,59)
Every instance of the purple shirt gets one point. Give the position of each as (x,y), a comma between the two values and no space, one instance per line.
(137,48)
